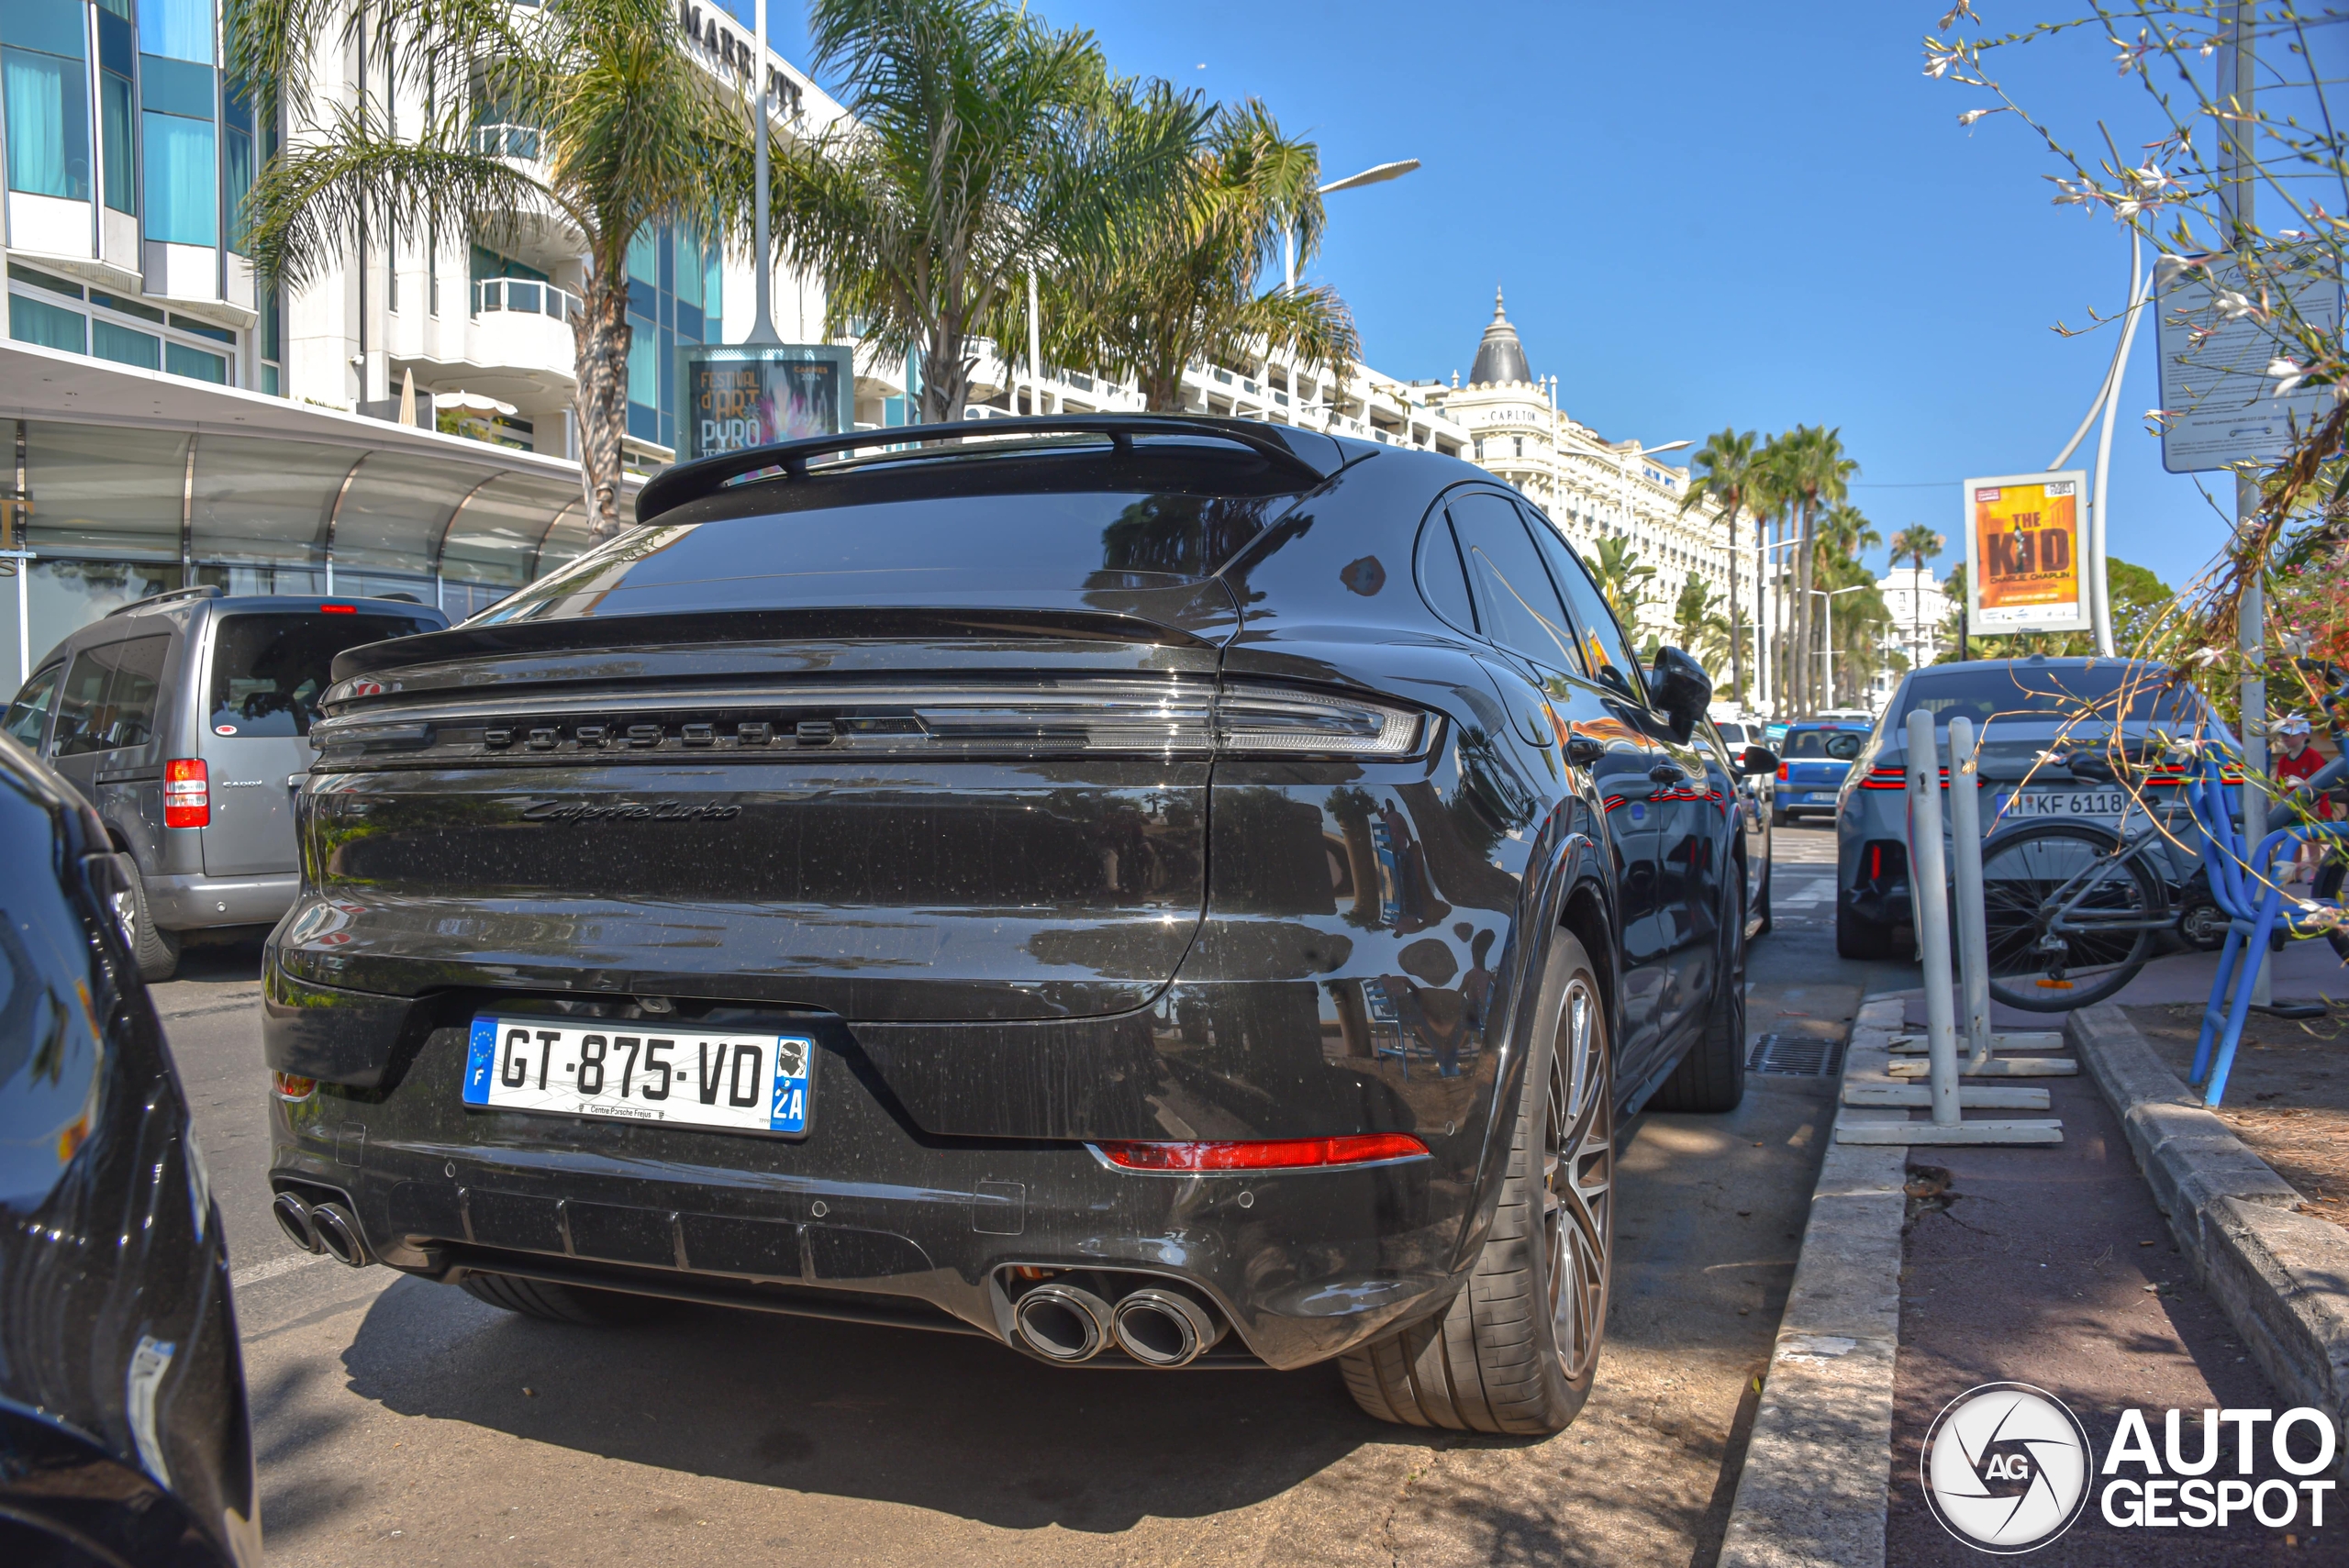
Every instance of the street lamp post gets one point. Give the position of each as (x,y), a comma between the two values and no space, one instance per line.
(1831,595)
(1376,175)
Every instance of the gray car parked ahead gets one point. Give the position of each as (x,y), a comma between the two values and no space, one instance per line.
(184,719)
(2027,711)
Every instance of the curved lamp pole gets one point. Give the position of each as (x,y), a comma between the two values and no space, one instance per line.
(1376,175)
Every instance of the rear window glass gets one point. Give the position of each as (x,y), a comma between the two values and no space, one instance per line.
(268,669)
(1834,745)
(935,531)
(2021,690)
(1733,733)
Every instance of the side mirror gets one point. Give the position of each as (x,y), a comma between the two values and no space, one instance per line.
(1757,761)
(1680,690)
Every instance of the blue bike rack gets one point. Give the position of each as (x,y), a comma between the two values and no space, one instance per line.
(2244,890)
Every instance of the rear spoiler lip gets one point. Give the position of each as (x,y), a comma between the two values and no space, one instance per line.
(1312,456)
(824,623)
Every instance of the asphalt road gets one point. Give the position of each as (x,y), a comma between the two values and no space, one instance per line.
(401,1423)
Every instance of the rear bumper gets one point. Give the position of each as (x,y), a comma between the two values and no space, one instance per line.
(189,903)
(867,1218)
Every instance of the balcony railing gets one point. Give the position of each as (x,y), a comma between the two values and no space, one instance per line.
(525,142)
(524,295)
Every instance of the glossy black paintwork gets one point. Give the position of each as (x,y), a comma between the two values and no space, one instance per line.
(1317,948)
(108,1237)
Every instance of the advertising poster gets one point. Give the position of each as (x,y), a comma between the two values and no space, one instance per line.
(2026,553)
(737,398)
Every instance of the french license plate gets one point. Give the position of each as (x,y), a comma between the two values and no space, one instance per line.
(738,1082)
(2063,803)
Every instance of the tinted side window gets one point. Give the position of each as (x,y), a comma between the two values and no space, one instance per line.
(1603,645)
(109,697)
(30,712)
(268,670)
(1516,606)
(1440,574)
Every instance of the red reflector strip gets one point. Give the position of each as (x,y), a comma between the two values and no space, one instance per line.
(290,1088)
(1270,1154)
(187,794)
(339,609)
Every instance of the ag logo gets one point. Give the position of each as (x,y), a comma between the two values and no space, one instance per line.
(2006,1467)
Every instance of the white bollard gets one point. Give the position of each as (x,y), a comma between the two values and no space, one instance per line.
(1965,848)
(1925,864)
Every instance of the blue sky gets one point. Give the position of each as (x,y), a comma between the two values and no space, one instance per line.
(1707,214)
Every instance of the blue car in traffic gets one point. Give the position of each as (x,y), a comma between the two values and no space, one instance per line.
(1813,760)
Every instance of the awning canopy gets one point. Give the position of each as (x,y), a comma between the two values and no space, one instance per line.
(130,463)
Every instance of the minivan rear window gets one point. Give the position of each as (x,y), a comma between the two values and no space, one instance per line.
(2018,689)
(268,667)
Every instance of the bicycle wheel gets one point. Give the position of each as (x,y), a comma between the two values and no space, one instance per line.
(2042,973)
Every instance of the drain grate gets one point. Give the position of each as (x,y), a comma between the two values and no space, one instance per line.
(1795,1056)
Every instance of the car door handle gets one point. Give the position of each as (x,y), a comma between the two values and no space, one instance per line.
(1583,751)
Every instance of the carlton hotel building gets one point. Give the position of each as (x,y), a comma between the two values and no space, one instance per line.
(166,419)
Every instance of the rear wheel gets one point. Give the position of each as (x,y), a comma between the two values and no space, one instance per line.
(1855,938)
(1517,1350)
(1762,904)
(158,952)
(552,1303)
(2020,871)
(1711,1077)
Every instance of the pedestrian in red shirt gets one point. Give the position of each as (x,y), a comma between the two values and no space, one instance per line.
(2295,762)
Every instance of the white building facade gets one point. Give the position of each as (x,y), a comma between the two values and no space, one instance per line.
(1918,605)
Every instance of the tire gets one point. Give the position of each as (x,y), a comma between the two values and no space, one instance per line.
(1517,1350)
(1857,938)
(1777,817)
(2020,869)
(158,952)
(552,1303)
(1762,904)
(1712,1078)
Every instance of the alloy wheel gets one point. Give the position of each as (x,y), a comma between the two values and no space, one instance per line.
(1578,1179)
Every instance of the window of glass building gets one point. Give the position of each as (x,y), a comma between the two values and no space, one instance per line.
(177,89)
(45,90)
(674,296)
(117,115)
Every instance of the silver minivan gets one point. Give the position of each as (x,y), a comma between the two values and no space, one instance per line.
(185,720)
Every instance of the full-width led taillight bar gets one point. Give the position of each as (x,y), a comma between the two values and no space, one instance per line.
(187,794)
(1885,778)
(1265,1154)
(1071,717)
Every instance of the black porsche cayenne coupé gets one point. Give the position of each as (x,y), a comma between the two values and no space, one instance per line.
(1165,890)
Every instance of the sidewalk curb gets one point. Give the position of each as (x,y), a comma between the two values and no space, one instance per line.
(1816,1474)
(2281,1277)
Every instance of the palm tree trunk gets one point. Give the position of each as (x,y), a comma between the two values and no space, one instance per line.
(1806,683)
(601,332)
(1736,657)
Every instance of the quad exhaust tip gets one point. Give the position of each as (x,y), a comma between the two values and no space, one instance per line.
(1163,1327)
(327,1228)
(293,1218)
(1062,1322)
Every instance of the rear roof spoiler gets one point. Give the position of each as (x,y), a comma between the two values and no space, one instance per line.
(1312,456)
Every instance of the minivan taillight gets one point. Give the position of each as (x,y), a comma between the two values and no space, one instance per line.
(187,794)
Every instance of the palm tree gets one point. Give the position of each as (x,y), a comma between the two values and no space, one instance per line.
(630,135)
(980,146)
(1623,582)
(1916,544)
(1770,497)
(1724,472)
(1698,624)
(1187,291)
(1815,474)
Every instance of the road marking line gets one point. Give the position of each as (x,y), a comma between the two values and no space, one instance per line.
(275,1267)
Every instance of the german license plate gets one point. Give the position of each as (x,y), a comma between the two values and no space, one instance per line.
(737,1082)
(2063,803)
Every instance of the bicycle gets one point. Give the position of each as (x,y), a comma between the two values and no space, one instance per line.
(2073,907)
